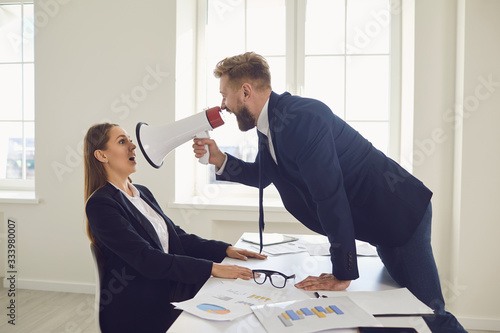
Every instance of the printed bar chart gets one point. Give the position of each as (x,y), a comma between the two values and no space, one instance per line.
(313,315)
(289,316)
(260,298)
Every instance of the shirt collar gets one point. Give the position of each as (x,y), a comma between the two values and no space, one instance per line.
(135,191)
(263,121)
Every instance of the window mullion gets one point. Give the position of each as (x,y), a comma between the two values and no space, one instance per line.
(200,85)
(245,25)
(344,116)
(290,84)
(24,171)
(395,82)
(300,42)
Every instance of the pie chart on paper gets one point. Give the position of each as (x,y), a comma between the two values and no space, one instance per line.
(212,308)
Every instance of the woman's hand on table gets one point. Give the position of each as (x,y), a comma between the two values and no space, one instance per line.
(242,254)
(235,271)
(231,271)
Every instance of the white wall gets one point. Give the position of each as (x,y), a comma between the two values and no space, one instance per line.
(434,91)
(91,55)
(456,43)
(93,63)
(478,264)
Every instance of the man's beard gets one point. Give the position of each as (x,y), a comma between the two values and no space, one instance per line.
(245,119)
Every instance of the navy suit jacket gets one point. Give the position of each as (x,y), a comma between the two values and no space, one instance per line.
(333,180)
(140,279)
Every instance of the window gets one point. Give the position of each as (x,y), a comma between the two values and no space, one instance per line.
(17,116)
(342,52)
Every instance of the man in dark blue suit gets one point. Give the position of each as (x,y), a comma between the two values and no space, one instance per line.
(333,181)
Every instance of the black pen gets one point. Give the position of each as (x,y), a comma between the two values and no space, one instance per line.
(318,295)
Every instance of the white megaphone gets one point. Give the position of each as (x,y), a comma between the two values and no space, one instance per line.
(157,141)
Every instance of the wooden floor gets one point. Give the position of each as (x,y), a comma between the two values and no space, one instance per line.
(48,312)
(55,312)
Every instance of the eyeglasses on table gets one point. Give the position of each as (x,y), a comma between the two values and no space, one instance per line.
(277,279)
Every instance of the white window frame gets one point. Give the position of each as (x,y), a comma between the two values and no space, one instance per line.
(9,187)
(196,190)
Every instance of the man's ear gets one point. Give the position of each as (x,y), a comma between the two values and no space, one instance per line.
(247,90)
(100,156)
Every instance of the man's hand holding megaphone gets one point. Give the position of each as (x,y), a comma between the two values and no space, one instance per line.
(217,157)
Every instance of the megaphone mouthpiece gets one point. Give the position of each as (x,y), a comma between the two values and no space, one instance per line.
(214,118)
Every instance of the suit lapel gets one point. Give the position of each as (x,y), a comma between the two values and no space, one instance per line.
(140,220)
(278,120)
(174,243)
(168,222)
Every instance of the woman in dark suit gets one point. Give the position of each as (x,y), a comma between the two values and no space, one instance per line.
(148,260)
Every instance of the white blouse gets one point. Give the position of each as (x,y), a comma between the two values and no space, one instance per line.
(156,220)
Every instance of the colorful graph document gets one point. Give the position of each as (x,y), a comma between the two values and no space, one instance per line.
(232,300)
(313,315)
(387,302)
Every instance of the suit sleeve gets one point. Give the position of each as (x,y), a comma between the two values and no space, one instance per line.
(110,227)
(202,248)
(193,245)
(309,141)
(246,173)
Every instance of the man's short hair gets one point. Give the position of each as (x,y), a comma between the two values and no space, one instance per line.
(248,66)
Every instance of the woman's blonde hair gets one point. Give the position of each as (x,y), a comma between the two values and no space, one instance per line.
(97,138)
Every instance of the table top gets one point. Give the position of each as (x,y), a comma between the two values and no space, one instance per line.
(373,277)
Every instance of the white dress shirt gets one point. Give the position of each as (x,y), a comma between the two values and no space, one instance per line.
(156,220)
(263,127)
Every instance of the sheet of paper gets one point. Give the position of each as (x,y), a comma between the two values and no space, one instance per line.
(323,249)
(292,247)
(267,238)
(365,249)
(314,249)
(317,249)
(313,315)
(405,321)
(387,302)
(232,300)
(277,249)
